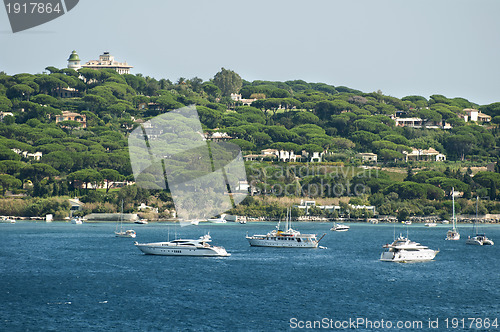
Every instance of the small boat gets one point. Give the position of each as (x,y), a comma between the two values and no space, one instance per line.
(478,239)
(76,220)
(195,222)
(453,234)
(183,247)
(430,224)
(340,227)
(141,221)
(7,220)
(288,238)
(220,220)
(119,232)
(402,250)
(406,222)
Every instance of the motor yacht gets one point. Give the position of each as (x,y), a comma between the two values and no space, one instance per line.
(183,247)
(288,238)
(340,227)
(402,250)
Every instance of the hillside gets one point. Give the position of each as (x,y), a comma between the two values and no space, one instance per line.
(64,133)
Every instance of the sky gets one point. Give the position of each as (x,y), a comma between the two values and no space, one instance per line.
(411,47)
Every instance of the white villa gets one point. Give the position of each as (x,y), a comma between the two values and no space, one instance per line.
(430,154)
(285,156)
(330,208)
(106,60)
(368,157)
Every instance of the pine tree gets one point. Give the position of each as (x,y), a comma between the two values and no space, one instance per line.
(493,190)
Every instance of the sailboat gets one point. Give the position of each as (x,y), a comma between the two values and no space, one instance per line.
(478,239)
(120,232)
(453,233)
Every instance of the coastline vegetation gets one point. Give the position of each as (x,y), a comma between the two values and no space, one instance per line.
(44,161)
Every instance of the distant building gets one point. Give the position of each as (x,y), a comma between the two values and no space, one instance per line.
(475,115)
(420,123)
(74,61)
(106,61)
(35,156)
(237,97)
(66,92)
(481,117)
(75,204)
(430,154)
(4,114)
(368,157)
(218,136)
(471,114)
(71,116)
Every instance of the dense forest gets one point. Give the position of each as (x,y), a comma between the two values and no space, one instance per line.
(297,116)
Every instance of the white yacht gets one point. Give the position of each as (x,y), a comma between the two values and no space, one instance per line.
(288,238)
(402,250)
(478,239)
(453,234)
(141,221)
(340,227)
(127,233)
(76,220)
(220,220)
(183,247)
(430,224)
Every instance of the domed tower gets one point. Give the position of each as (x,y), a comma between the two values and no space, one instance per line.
(74,61)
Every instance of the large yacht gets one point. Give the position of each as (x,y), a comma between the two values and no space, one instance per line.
(288,238)
(402,250)
(183,247)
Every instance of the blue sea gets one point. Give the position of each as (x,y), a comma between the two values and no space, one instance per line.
(64,277)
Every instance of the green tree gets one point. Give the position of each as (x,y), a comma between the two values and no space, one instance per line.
(110,175)
(228,82)
(8,182)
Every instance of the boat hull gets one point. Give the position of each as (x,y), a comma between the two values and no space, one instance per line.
(452,235)
(129,234)
(256,242)
(407,256)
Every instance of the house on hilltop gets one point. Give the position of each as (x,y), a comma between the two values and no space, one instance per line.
(106,61)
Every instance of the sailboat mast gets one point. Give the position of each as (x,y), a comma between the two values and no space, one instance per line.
(453,200)
(477,202)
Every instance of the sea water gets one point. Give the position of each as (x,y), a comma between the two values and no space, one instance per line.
(64,277)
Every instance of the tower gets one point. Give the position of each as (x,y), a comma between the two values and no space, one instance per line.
(74,61)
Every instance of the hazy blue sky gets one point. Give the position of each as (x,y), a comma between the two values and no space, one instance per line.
(419,47)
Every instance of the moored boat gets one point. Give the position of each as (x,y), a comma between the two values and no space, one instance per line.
(288,238)
(340,227)
(476,238)
(183,247)
(7,220)
(402,250)
(453,234)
